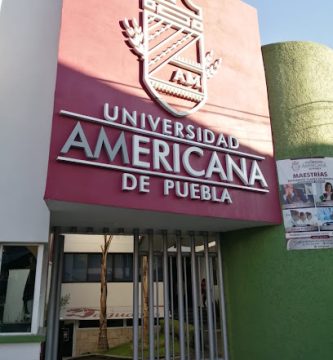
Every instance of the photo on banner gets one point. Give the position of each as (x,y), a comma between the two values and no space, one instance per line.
(306,197)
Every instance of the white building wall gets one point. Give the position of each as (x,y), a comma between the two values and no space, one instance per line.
(120,295)
(29,32)
(20,351)
(87,295)
(82,243)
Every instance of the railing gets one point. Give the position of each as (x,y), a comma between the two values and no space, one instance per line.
(194,325)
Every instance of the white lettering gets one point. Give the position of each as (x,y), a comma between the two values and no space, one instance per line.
(205,192)
(178,76)
(128,182)
(176,158)
(190,135)
(215,166)
(225,197)
(208,136)
(186,161)
(167,127)
(77,139)
(233,142)
(107,116)
(120,145)
(153,122)
(195,191)
(232,168)
(143,121)
(138,150)
(221,141)
(179,193)
(187,79)
(160,151)
(168,185)
(256,175)
(144,184)
(179,129)
(127,117)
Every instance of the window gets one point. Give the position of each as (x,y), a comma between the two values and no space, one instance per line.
(75,268)
(94,267)
(122,267)
(87,267)
(17,285)
(79,267)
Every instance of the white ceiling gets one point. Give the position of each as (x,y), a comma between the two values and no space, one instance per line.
(96,218)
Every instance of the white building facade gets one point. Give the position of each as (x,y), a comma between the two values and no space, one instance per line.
(29,34)
(43,198)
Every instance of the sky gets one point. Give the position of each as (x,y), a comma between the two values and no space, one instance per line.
(302,20)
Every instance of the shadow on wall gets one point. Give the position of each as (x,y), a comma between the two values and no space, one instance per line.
(79,93)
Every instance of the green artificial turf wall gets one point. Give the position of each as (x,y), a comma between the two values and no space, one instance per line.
(279,302)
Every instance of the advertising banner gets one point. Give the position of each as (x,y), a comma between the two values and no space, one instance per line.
(306,196)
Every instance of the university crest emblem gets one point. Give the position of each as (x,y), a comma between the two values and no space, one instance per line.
(170,44)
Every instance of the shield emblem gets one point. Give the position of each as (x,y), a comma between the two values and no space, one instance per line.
(173,59)
(170,44)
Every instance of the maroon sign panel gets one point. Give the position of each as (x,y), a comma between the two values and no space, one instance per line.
(161,105)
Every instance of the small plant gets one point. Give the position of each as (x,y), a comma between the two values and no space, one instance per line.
(64,300)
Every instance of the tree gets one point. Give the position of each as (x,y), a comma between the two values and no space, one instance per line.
(103,343)
(145,301)
(144,279)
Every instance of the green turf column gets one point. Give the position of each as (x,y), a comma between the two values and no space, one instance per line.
(300,86)
(280,303)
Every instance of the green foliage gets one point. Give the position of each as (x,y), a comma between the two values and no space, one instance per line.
(176,330)
(64,300)
(126,350)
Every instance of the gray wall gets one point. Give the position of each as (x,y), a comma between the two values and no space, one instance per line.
(29,32)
